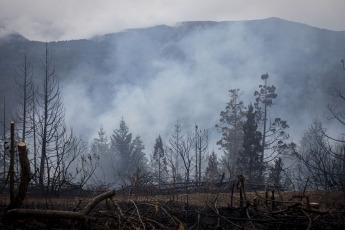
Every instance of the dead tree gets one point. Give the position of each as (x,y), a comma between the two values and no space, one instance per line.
(4,138)
(201,149)
(51,117)
(59,145)
(11,169)
(175,147)
(19,197)
(25,89)
(240,185)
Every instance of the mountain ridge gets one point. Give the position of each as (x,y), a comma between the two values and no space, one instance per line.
(189,24)
(192,65)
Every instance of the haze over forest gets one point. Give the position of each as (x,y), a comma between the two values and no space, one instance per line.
(153,77)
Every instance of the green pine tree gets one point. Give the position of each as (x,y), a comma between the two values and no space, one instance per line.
(231,127)
(212,170)
(159,160)
(129,153)
(249,161)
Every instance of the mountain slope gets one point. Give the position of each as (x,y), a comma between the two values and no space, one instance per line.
(155,76)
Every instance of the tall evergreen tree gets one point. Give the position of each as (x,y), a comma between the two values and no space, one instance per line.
(231,127)
(249,160)
(273,132)
(121,144)
(276,172)
(159,160)
(129,153)
(138,160)
(212,169)
(100,145)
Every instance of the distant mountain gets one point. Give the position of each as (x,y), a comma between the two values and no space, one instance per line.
(155,76)
(7,36)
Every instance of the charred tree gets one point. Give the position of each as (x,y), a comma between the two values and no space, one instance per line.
(25,90)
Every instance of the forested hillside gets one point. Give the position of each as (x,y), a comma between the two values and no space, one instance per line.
(152,80)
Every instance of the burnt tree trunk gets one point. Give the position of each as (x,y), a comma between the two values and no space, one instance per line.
(24,177)
(11,169)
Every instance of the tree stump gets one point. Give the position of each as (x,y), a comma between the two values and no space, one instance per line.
(19,196)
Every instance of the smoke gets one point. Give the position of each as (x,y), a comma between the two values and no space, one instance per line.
(4,32)
(65,20)
(159,75)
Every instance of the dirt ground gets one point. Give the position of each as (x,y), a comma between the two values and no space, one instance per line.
(285,210)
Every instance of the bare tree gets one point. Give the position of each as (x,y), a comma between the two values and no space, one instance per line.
(186,155)
(25,94)
(317,161)
(25,114)
(61,150)
(34,133)
(337,114)
(201,147)
(174,150)
(183,145)
(51,113)
(71,163)
(5,142)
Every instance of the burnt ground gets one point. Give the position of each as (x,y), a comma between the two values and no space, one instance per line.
(286,210)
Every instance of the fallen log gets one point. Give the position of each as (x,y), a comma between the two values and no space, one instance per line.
(39,213)
(88,208)
(57,214)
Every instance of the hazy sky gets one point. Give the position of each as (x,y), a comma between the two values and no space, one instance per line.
(75,19)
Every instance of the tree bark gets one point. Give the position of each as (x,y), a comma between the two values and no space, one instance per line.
(24,177)
(57,214)
(11,169)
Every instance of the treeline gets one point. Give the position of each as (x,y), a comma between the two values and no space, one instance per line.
(254,142)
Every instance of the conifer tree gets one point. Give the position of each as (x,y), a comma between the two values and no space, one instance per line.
(121,144)
(138,160)
(159,159)
(100,145)
(231,127)
(212,169)
(128,152)
(249,159)
(273,131)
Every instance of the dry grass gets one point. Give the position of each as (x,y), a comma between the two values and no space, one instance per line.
(326,199)
(204,210)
